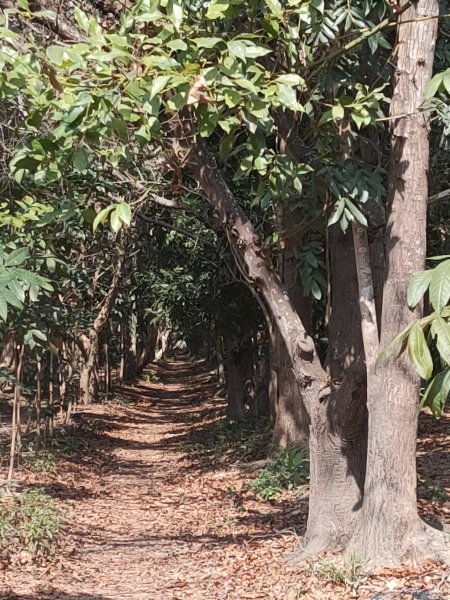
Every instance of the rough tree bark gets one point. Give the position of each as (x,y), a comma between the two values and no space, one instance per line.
(390,531)
(291,426)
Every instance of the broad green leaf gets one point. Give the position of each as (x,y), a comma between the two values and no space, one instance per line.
(116,223)
(417,287)
(80,160)
(175,12)
(291,79)
(3,310)
(436,393)
(440,286)
(124,213)
(337,212)
(432,86)
(446,80)
(209,42)
(55,54)
(440,329)
(217,9)
(237,48)
(419,353)
(275,8)
(16,257)
(337,111)
(394,347)
(74,113)
(82,19)
(102,216)
(158,85)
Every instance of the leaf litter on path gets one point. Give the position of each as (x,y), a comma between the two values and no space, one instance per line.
(146,518)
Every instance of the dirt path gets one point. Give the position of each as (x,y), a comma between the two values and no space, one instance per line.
(144,521)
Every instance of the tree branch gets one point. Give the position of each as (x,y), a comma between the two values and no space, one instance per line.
(438,197)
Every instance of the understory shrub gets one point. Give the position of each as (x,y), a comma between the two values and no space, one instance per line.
(285,472)
(29,522)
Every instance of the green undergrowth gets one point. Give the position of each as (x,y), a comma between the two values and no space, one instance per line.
(230,440)
(29,524)
(337,570)
(433,491)
(286,471)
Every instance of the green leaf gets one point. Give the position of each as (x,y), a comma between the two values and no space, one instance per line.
(356,212)
(291,79)
(338,111)
(217,9)
(436,393)
(124,213)
(82,19)
(74,113)
(55,54)
(432,86)
(237,48)
(175,12)
(394,347)
(102,216)
(419,353)
(440,329)
(16,257)
(116,223)
(275,8)
(80,160)
(446,80)
(3,310)
(417,287)
(337,212)
(202,42)
(440,286)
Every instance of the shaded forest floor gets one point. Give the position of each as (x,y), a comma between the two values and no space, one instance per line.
(156,506)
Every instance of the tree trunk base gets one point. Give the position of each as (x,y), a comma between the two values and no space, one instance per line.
(415,543)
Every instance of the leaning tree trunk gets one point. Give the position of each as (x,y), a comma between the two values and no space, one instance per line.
(332,411)
(390,530)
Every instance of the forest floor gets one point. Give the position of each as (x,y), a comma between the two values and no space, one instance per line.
(156,506)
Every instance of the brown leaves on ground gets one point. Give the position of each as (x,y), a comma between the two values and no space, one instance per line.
(147,516)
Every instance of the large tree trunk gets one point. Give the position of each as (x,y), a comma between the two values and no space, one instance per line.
(291,427)
(390,531)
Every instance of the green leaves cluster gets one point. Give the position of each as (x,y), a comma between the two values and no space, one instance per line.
(17,284)
(428,339)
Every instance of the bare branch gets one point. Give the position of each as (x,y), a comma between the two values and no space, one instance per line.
(438,197)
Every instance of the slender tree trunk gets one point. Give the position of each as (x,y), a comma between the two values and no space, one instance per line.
(38,401)
(121,371)
(15,424)
(107,369)
(390,531)
(235,376)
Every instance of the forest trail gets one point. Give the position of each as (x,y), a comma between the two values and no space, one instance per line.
(145,520)
(142,522)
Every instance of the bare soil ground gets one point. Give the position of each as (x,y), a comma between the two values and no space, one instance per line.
(152,512)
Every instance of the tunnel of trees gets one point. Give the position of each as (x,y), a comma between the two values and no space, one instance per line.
(261,185)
